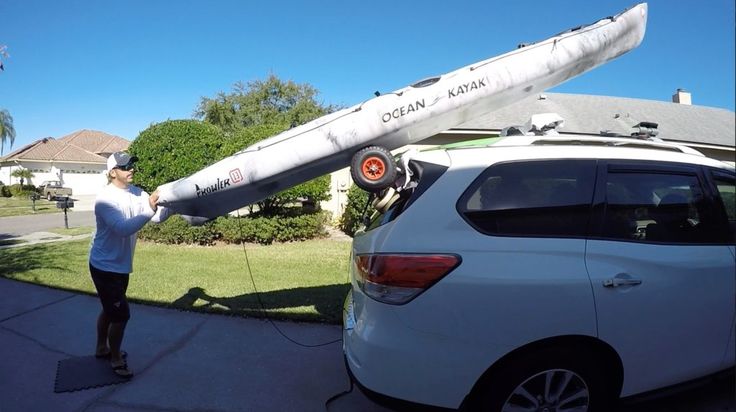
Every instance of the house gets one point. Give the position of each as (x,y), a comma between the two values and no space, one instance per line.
(78,160)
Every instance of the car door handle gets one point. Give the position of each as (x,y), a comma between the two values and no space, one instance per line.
(616,282)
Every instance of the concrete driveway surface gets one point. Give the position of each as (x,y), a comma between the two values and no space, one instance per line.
(187,361)
(183,361)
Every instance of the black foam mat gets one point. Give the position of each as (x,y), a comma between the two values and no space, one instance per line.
(86,372)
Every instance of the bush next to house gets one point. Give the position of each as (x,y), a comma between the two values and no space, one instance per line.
(293,225)
(17,190)
(350,220)
(4,190)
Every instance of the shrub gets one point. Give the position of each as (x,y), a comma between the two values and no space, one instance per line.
(350,220)
(247,229)
(174,149)
(17,190)
(291,226)
(177,231)
(5,191)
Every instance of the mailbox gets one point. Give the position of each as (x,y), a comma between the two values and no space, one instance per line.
(65,204)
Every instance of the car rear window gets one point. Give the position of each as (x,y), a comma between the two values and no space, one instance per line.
(425,174)
(531,198)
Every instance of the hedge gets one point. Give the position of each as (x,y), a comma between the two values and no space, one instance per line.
(17,191)
(288,227)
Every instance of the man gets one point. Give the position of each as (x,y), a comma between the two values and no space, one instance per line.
(121,210)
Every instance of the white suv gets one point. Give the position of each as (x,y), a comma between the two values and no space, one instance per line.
(545,272)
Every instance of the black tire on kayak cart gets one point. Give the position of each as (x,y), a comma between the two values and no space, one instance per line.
(373,169)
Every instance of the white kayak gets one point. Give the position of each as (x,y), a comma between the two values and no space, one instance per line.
(399,118)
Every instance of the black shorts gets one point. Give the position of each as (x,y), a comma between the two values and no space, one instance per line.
(111,288)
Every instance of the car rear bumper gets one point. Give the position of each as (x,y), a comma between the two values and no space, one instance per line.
(394,363)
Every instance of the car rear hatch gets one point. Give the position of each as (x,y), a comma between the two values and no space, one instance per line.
(397,278)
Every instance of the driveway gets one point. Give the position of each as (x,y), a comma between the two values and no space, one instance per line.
(183,361)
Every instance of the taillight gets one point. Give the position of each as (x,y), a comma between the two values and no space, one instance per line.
(398,278)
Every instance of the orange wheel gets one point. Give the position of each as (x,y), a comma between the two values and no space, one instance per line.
(373,168)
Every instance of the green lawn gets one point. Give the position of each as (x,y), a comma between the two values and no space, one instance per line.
(13,206)
(72,231)
(298,281)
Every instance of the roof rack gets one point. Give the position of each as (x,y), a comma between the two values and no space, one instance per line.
(541,130)
(647,130)
(613,141)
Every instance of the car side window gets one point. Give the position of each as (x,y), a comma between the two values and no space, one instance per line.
(726,186)
(658,207)
(531,198)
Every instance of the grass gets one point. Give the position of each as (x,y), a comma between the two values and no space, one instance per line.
(14,206)
(304,281)
(72,231)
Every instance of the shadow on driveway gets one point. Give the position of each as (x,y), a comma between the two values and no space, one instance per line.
(327,301)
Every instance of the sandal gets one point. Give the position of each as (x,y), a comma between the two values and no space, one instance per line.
(123,354)
(122,370)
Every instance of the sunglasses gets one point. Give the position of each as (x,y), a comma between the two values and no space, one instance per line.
(127,168)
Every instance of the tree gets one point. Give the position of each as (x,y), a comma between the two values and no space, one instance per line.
(22,174)
(174,149)
(7,131)
(261,109)
(263,102)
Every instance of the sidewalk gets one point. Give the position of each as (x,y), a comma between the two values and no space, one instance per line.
(39,237)
(183,361)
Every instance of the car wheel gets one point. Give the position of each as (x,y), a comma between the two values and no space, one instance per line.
(49,197)
(552,380)
(373,169)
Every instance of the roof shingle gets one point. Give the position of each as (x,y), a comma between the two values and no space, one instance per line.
(593,114)
(87,146)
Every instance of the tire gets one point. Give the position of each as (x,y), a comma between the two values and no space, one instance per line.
(373,169)
(577,379)
(49,197)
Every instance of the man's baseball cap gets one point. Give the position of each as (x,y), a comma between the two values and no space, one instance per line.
(120,159)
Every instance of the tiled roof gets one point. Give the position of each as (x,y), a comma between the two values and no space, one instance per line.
(592,114)
(42,149)
(88,146)
(95,141)
(71,153)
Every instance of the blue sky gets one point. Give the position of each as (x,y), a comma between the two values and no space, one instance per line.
(120,66)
